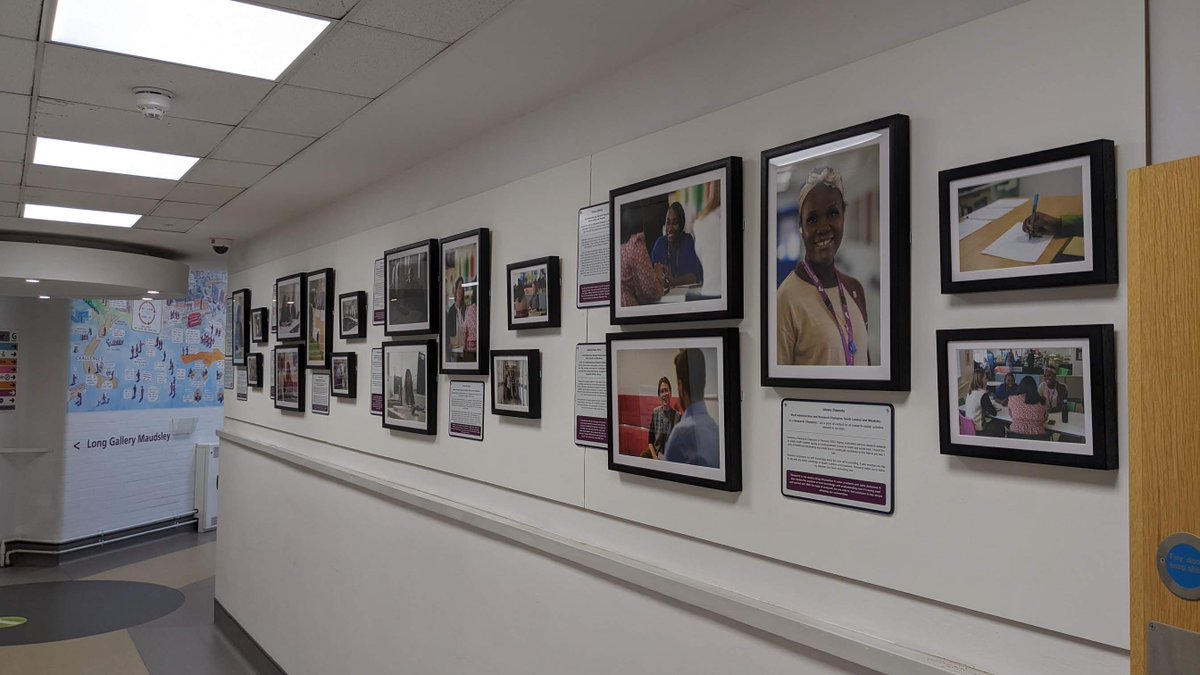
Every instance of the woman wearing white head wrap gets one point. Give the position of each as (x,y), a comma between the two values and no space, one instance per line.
(822,311)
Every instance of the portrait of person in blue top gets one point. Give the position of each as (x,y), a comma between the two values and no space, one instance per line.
(674,255)
(696,438)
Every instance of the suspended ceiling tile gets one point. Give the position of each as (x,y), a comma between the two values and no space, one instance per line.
(445,20)
(196,193)
(333,9)
(181,210)
(107,79)
(21,18)
(88,200)
(12,147)
(221,172)
(97,181)
(10,173)
(308,112)
(364,61)
(165,224)
(17,56)
(10,193)
(8,209)
(262,147)
(14,113)
(126,128)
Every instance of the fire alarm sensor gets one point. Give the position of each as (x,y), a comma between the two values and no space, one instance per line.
(152,102)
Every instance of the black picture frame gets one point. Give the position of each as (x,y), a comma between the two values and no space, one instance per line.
(508,404)
(695,303)
(297,371)
(349,361)
(358,326)
(1098,409)
(395,323)
(428,348)
(892,320)
(450,269)
(319,315)
(240,328)
(274,307)
(551,297)
(628,415)
(254,369)
(259,329)
(1096,163)
(291,315)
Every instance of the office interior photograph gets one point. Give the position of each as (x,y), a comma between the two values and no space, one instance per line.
(562,336)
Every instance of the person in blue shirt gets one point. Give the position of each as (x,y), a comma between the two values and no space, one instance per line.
(677,251)
(696,438)
(1007,389)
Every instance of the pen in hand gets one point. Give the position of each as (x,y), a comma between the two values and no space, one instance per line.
(1033,218)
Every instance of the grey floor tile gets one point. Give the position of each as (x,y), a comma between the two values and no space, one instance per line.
(103,560)
(187,650)
(10,576)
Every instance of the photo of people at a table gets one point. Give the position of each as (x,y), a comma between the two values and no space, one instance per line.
(530,293)
(1028,394)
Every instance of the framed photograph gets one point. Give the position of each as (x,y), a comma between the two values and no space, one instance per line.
(345,374)
(1044,394)
(835,260)
(289,377)
(254,370)
(259,334)
(291,308)
(410,378)
(352,315)
(240,330)
(466,290)
(319,314)
(674,406)
(677,239)
(1044,219)
(517,383)
(534,289)
(411,289)
(274,315)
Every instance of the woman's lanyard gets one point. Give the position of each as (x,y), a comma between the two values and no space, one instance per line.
(848,347)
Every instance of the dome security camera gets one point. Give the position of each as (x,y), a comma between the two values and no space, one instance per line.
(220,246)
(152,102)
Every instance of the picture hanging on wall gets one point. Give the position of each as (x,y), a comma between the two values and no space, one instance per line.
(289,376)
(674,406)
(352,315)
(240,330)
(291,313)
(466,289)
(676,251)
(345,374)
(835,259)
(319,297)
(258,326)
(1043,394)
(517,383)
(1044,219)
(254,369)
(411,289)
(533,294)
(410,378)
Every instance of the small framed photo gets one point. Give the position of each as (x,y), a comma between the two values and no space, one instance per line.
(1043,219)
(674,406)
(534,294)
(352,311)
(466,290)
(345,374)
(677,246)
(517,382)
(289,377)
(835,259)
(319,296)
(254,370)
(1043,394)
(240,330)
(411,289)
(410,380)
(259,326)
(291,313)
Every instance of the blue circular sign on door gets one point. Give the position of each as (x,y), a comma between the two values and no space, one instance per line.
(1179,565)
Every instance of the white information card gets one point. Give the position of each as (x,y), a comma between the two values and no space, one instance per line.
(839,453)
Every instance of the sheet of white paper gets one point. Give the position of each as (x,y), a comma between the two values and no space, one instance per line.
(996,209)
(970,226)
(1014,245)
(1010,202)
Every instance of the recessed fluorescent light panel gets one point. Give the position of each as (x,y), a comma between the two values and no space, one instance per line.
(85,216)
(106,158)
(233,37)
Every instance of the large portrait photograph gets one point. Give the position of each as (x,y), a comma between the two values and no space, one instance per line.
(1040,394)
(466,270)
(677,246)
(835,255)
(410,386)
(675,406)
(1043,219)
(289,377)
(319,295)
(290,308)
(410,289)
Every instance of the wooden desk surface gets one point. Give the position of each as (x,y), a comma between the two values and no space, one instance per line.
(970,249)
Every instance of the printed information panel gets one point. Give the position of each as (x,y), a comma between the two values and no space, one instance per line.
(839,453)
(466,409)
(592,276)
(591,395)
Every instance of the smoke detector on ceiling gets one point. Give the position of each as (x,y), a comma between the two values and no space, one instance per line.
(152,102)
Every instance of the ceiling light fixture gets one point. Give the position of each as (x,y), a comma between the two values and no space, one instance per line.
(152,292)
(85,216)
(109,159)
(33,281)
(43,297)
(233,37)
